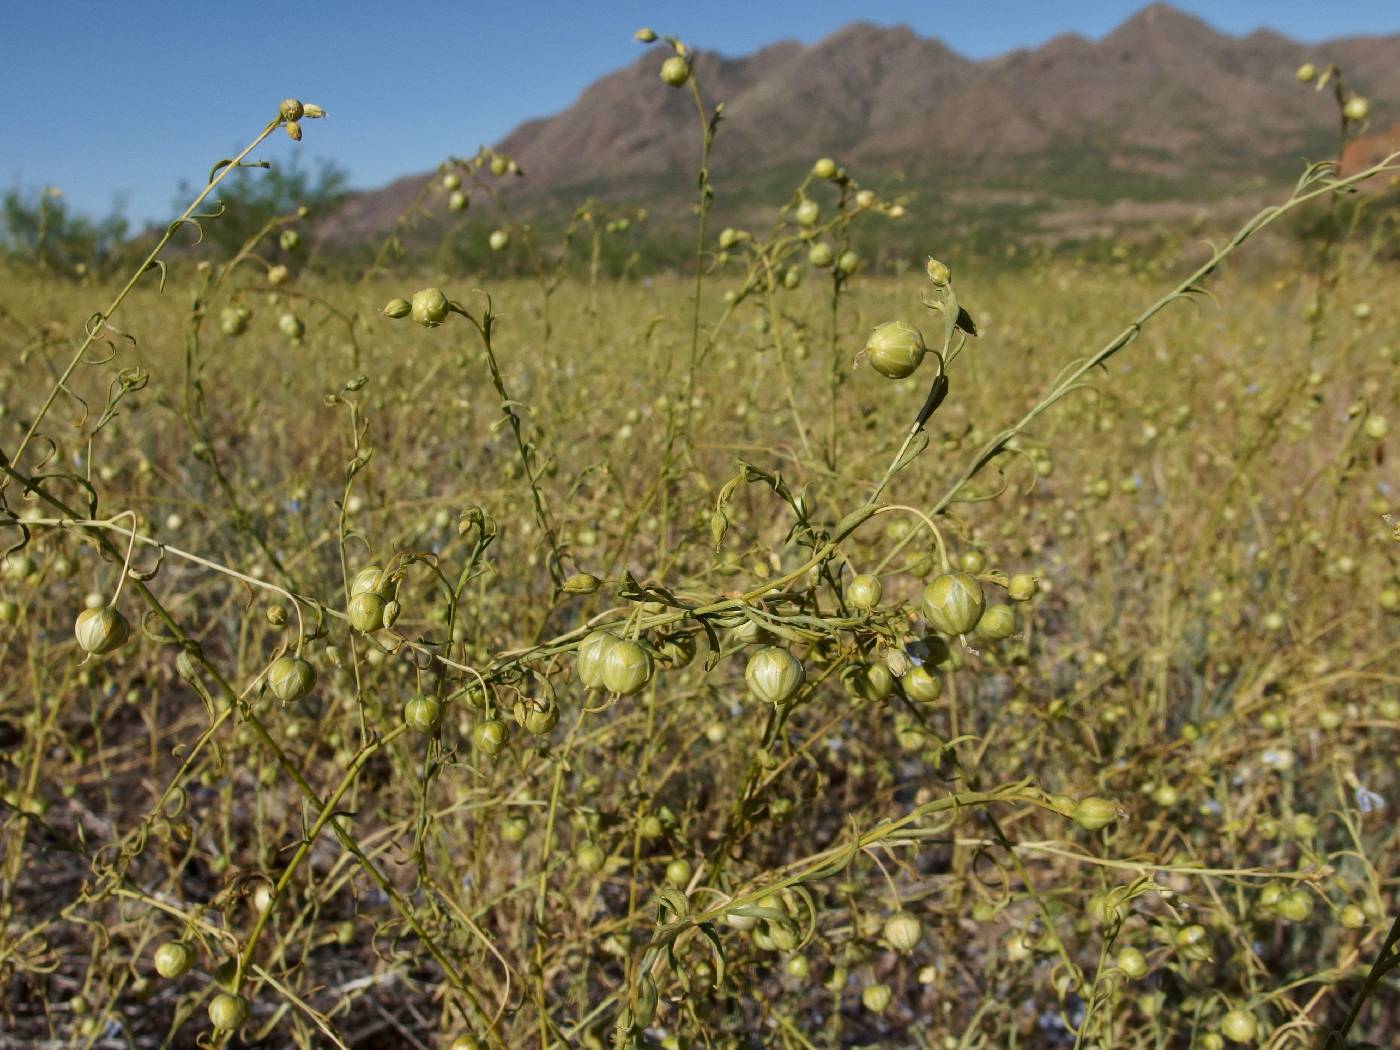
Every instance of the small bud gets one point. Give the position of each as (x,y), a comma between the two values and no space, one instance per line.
(451,181)
(1093,813)
(397,308)
(499,240)
(1307,73)
(458,201)
(824,168)
(290,240)
(821,255)
(997,623)
(580,583)
(292,326)
(645,35)
(938,273)
(590,858)
(293,133)
(278,274)
(291,110)
(1022,587)
(277,616)
(313,111)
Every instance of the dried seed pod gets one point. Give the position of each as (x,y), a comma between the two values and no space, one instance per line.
(774,675)
(954,602)
(291,109)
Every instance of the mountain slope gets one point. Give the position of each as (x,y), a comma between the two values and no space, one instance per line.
(1163,101)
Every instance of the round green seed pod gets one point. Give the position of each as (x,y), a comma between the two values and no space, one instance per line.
(499,240)
(1307,73)
(895,349)
(821,255)
(9,611)
(774,675)
(876,997)
(514,829)
(678,873)
(1239,1026)
(868,681)
(626,667)
(590,858)
(903,931)
(997,623)
(366,611)
(429,307)
(676,651)
(1022,587)
(423,714)
(458,201)
(675,71)
(954,603)
(174,959)
(291,326)
(848,262)
(289,241)
(808,213)
(1295,906)
(824,168)
(228,1012)
(589,662)
(797,967)
(1352,917)
(1356,109)
(1092,813)
(921,685)
(864,592)
(370,578)
(451,181)
(1132,962)
(290,678)
(490,736)
(972,560)
(101,630)
(537,715)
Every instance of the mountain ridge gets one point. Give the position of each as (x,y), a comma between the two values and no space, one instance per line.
(1163,98)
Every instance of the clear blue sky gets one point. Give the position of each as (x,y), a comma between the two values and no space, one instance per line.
(119,100)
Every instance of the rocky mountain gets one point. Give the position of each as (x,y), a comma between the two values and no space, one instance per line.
(1165,107)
